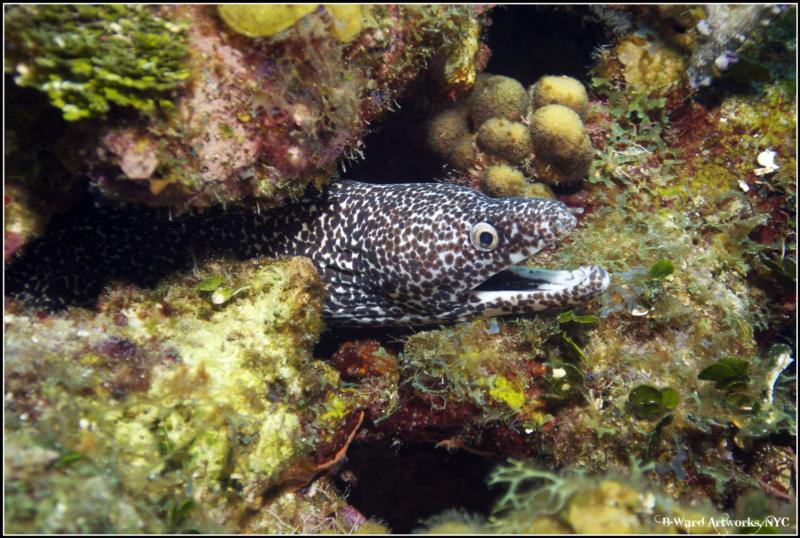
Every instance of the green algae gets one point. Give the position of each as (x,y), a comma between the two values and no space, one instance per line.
(169,413)
(470,364)
(647,402)
(538,501)
(88,58)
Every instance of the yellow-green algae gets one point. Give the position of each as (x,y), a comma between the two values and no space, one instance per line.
(88,57)
(169,412)
(476,364)
(541,502)
(268,20)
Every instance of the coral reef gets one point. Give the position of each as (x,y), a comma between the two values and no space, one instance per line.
(210,412)
(239,119)
(203,405)
(686,363)
(676,310)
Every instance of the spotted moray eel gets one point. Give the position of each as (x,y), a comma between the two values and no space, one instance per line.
(401,254)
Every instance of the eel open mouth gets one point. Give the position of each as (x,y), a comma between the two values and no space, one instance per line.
(519,288)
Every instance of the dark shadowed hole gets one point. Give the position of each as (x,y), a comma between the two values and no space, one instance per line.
(396,152)
(530,41)
(391,338)
(405,486)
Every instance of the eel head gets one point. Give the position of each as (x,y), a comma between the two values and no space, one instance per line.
(459,256)
(514,231)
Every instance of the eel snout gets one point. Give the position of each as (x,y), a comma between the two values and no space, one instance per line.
(518,289)
(542,285)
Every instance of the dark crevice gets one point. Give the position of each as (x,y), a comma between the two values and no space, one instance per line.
(528,42)
(405,485)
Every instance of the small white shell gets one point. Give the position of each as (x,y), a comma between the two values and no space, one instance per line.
(767,161)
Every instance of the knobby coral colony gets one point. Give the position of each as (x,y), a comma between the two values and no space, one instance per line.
(396,254)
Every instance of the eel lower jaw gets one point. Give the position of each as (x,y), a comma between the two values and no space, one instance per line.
(518,288)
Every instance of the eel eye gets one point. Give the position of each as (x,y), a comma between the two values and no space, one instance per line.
(483,236)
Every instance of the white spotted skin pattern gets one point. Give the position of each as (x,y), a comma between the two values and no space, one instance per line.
(402,254)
